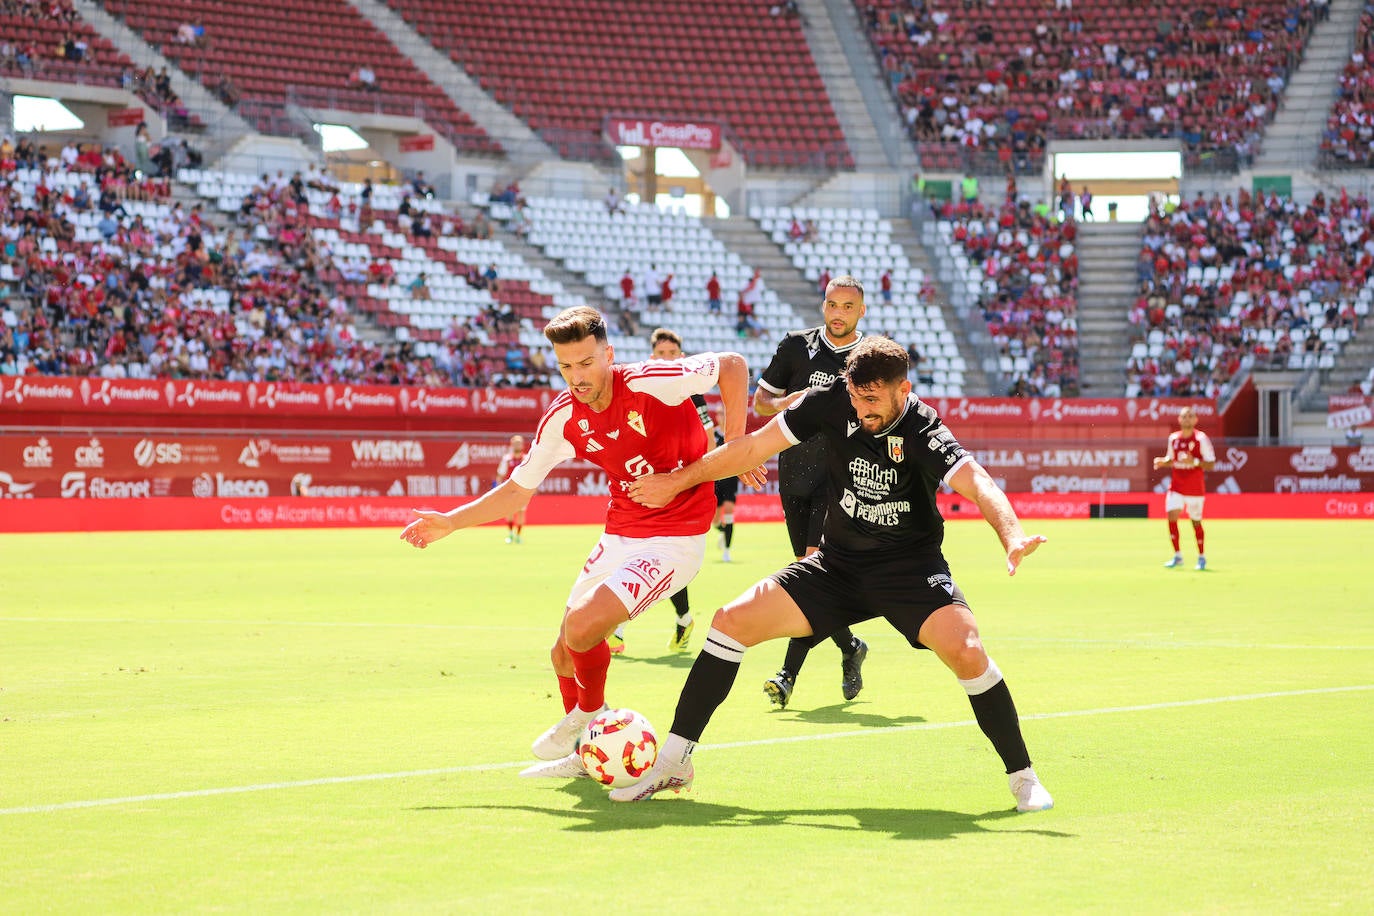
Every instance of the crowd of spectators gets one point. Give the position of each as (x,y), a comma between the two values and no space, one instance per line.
(1000,79)
(1029,298)
(1349,136)
(1245,280)
(158,291)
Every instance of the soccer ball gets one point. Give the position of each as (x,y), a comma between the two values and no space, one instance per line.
(618,747)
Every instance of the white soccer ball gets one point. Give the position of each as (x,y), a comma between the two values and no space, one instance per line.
(618,747)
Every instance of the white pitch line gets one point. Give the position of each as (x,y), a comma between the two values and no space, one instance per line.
(487,767)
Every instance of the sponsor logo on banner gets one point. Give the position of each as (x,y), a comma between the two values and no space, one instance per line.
(110,391)
(1326,483)
(351,398)
(250,457)
(396,489)
(75,485)
(425,400)
(1362,460)
(21,390)
(192,394)
(1232,460)
(372,453)
(38,455)
(149,452)
(12,489)
(1313,459)
(227,488)
(91,455)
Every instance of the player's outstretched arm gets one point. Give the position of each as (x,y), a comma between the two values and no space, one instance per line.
(766,403)
(429,525)
(974,483)
(734,396)
(729,460)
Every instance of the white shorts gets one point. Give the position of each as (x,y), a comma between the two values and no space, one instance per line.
(641,571)
(1191,504)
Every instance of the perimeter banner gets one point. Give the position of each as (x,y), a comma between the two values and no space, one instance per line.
(225,466)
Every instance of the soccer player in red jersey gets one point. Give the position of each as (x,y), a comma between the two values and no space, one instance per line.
(1190,455)
(628,420)
(515,523)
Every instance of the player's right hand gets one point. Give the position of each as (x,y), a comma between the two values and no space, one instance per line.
(654,490)
(428,527)
(756,478)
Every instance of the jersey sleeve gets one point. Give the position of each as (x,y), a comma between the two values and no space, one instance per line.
(936,450)
(673,381)
(807,415)
(779,370)
(1204,447)
(549,448)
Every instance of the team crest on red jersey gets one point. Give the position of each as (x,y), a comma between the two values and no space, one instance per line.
(896,448)
(636,422)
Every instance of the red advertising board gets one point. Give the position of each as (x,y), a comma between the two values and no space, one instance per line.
(418,143)
(655,132)
(125,117)
(226,466)
(1098,419)
(95,402)
(1349,411)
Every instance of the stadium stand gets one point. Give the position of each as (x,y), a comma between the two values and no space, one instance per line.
(828,241)
(50,41)
(1247,281)
(314,53)
(1349,137)
(984,86)
(1019,268)
(603,247)
(564,65)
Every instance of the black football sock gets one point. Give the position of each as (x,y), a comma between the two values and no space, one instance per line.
(996,715)
(708,684)
(680,604)
(845,640)
(797,650)
(729,534)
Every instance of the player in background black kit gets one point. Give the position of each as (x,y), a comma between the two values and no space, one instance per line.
(881,556)
(806,359)
(667,344)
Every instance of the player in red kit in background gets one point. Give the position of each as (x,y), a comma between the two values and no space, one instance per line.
(627,420)
(1190,455)
(515,524)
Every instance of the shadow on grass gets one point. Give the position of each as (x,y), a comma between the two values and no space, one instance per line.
(593,812)
(846,714)
(675,660)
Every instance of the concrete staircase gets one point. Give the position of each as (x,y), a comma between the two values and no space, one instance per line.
(223,126)
(862,103)
(1107,254)
(976,381)
(522,145)
(1290,143)
(744,237)
(573,283)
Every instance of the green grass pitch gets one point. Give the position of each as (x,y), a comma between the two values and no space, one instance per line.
(331,721)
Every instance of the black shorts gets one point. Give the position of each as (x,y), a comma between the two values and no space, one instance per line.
(727,490)
(837,594)
(805,520)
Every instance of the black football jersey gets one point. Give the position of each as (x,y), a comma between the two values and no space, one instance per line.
(882,486)
(804,359)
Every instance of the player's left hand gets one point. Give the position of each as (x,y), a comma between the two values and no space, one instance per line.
(654,490)
(1021,548)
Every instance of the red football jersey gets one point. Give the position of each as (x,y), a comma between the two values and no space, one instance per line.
(1189,481)
(651,427)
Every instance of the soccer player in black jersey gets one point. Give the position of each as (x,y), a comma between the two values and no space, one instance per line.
(805,359)
(880,555)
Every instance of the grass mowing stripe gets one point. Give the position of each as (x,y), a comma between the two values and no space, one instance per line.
(488,767)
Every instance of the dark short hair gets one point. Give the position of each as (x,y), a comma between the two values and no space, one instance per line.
(661,334)
(844,281)
(876,360)
(574,324)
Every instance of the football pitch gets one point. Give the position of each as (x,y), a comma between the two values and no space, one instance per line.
(332,721)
